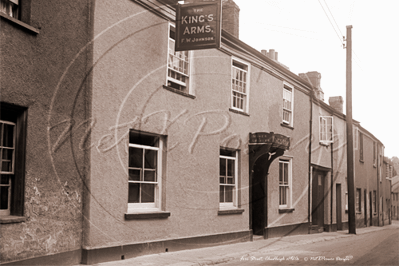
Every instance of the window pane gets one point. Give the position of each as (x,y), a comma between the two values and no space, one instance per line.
(150,159)
(221,194)
(6,167)
(4,198)
(147,193)
(283,195)
(8,136)
(227,153)
(142,139)
(222,180)
(230,180)
(135,157)
(286,173)
(134,193)
(280,176)
(150,176)
(134,174)
(228,194)
(222,167)
(4,179)
(230,167)
(7,154)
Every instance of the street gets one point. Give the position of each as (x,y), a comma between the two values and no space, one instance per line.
(375,248)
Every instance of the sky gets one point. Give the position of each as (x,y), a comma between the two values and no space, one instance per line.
(308,36)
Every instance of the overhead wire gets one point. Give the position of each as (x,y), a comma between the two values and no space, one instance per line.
(340,40)
(357,61)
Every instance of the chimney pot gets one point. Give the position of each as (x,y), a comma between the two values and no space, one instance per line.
(337,102)
(272,54)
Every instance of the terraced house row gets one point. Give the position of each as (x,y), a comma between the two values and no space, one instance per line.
(115,145)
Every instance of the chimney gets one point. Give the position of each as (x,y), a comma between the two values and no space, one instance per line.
(337,102)
(230,17)
(314,78)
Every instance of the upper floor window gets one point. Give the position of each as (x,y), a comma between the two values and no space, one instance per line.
(285,183)
(228,165)
(288,101)
(326,129)
(178,65)
(145,160)
(374,153)
(361,158)
(240,85)
(10,7)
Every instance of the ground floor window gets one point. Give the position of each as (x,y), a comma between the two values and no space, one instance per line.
(285,180)
(358,200)
(144,166)
(228,165)
(12,159)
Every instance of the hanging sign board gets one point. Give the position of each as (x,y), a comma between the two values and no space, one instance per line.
(198,26)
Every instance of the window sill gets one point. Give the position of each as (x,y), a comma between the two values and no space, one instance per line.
(361,161)
(287,126)
(147,215)
(286,210)
(20,23)
(230,211)
(179,92)
(10,219)
(238,112)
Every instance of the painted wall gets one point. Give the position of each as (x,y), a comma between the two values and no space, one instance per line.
(365,178)
(339,167)
(34,74)
(130,56)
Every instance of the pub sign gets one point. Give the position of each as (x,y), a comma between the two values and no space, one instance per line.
(198,26)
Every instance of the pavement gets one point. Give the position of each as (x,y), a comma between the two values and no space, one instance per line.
(234,252)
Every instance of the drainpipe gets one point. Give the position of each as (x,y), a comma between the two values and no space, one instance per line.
(332,183)
(310,155)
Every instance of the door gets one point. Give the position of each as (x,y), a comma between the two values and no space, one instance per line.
(259,197)
(371,207)
(338,207)
(318,199)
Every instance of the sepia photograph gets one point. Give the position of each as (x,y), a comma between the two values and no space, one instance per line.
(199,132)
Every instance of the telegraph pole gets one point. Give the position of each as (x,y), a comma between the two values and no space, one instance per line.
(349,133)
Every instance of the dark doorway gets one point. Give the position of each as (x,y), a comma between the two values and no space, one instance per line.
(371,208)
(338,207)
(318,199)
(259,195)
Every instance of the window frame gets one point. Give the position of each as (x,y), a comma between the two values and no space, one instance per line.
(358,200)
(234,204)
(323,128)
(290,88)
(157,204)
(9,13)
(16,115)
(245,109)
(288,161)
(361,150)
(186,85)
